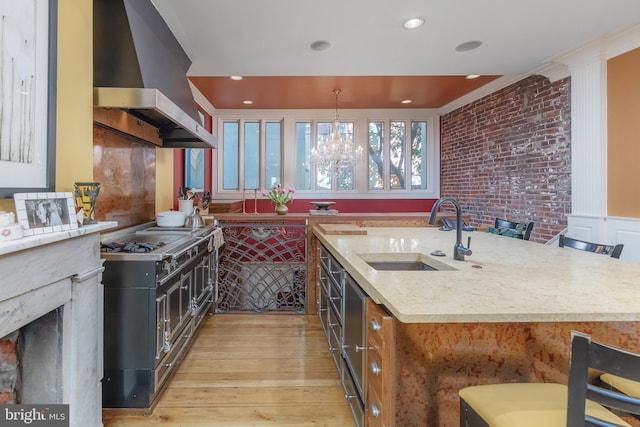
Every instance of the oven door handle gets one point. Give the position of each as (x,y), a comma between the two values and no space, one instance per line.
(191,246)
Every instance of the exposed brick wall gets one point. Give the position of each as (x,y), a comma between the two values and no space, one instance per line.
(508,155)
(8,368)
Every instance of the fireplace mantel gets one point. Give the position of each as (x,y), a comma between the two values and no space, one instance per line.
(44,272)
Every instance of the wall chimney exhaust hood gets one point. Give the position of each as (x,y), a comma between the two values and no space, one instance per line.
(140,67)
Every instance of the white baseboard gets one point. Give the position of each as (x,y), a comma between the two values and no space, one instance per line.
(608,230)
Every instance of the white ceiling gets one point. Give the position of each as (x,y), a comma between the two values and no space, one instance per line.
(273,37)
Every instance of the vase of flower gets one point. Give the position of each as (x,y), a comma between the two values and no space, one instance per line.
(280,197)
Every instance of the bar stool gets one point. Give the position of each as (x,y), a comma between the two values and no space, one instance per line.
(520,229)
(613,250)
(557,405)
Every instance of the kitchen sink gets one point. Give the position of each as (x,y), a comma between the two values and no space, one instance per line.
(404,261)
(400,265)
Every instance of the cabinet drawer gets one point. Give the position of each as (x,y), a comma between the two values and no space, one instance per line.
(323,257)
(380,366)
(374,409)
(335,302)
(374,370)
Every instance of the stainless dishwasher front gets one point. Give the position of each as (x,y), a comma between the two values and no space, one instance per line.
(353,343)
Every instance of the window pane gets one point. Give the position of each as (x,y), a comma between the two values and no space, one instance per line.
(273,158)
(345,178)
(230,155)
(252,155)
(323,177)
(396,155)
(419,155)
(376,157)
(303,149)
(194,168)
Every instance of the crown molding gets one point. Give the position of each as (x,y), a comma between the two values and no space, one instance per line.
(201,100)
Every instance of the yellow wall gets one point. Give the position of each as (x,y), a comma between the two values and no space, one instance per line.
(623,102)
(164,179)
(74,136)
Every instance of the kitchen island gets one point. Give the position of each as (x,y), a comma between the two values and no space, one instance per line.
(503,315)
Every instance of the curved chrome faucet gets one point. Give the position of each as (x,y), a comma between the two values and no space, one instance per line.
(459,251)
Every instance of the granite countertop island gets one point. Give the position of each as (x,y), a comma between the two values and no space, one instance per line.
(505,314)
(504,280)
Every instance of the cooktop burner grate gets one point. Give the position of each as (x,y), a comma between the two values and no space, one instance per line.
(135,247)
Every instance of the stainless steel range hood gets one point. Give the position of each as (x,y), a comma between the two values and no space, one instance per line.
(140,67)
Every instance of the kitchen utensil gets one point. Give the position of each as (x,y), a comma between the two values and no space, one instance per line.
(194,220)
(170,219)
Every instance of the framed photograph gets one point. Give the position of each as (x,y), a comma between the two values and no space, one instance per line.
(41,213)
(28,77)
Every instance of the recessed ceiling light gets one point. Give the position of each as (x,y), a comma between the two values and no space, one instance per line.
(247,102)
(320,45)
(472,76)
(236,77)
(467,46)
(406,101)
(412,23)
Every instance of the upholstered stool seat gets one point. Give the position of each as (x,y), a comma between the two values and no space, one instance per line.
(557,405)
(524,405)
(630,387)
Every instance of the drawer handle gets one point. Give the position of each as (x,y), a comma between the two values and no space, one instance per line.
(375,325)
(375,368)
(349,397)
(361,348)
(375,412)
(334,324)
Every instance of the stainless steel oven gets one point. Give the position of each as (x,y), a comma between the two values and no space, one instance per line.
(158,288)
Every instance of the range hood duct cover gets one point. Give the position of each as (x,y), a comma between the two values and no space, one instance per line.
(140,67)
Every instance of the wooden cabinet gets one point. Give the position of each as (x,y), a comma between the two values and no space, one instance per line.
(380,367)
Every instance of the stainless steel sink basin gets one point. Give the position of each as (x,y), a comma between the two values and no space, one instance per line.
(404,261)
(400,265)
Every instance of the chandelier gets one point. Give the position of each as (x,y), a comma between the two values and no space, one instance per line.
(336,155)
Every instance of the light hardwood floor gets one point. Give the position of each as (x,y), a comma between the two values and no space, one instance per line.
(252,370)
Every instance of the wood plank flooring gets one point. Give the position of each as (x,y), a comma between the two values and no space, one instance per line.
(252,370)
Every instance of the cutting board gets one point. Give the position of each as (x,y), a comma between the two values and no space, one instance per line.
(341,229)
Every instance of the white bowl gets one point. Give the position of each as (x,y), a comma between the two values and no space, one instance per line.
(171,219)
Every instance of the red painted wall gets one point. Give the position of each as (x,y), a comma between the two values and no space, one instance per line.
(508,155)
(350,205)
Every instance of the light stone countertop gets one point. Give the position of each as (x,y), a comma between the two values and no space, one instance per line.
(29,242)
(520,281)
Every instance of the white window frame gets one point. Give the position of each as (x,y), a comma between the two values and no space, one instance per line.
(360,119)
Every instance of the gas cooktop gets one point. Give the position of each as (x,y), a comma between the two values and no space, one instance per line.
(149,241)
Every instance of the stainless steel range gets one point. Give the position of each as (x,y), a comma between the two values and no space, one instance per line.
(158,288)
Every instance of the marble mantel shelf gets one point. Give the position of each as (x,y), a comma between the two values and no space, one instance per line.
(505,280)
(29,242)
